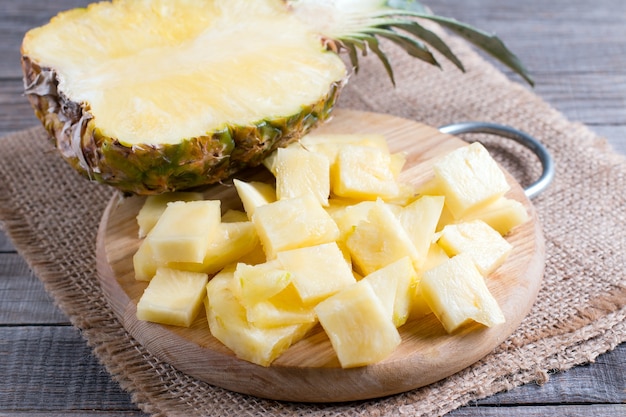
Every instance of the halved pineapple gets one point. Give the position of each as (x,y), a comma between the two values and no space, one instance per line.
(158,95)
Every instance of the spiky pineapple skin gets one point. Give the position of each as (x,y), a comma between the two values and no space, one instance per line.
(154,169)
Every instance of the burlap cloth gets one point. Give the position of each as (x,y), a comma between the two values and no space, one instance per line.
(52,216)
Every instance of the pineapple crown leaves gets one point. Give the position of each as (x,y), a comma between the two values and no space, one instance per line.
(357,25)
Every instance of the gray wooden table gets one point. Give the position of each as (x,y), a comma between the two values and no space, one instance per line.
(577,52)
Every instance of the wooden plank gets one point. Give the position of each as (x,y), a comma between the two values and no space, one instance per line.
(18,17)
(51,368)
(602,383)
(618,410)
(16,114)
(6,245)
(24,300)
(79,413)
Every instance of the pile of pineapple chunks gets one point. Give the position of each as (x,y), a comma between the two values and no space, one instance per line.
(337,240)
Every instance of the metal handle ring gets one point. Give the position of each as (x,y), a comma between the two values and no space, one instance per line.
(522,138)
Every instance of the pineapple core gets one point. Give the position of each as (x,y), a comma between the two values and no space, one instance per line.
(150,78)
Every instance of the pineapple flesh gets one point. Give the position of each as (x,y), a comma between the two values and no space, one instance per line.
(360,268)
(173,297)
(457,293)
(152,96)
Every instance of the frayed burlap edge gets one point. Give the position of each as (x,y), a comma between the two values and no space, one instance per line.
(60,250)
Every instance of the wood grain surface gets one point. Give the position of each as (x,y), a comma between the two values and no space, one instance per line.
(309,370)
(576,51)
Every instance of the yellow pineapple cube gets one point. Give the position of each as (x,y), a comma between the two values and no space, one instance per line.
(293,223)
(397,161)
(379,240)
(317,271)
(172,297)
(155,205)
(350,215)
(299,172)
(358,325)
(419,306)
(485,246)
(282,309)
(420,219)
(228,243)
(470,178)
(234,216)
(254,194)
(228,323)
(143,262)
(330,144)
(502,215)
(270,161)
(400,279)
(363,172)
(256,283)
(183,231)
(456,292)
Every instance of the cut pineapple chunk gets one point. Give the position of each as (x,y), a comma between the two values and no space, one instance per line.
(331,144)
(420,219)
(485,246)
(228,243)
(293,223)
(419,306)
(349,216)
(400,279)
(282,309)
(503,215)
(234,216)
(257,283)
(299,172)
(456,292)
(396,163)
(363,172)
(470,178)
(358,326)
(183,231)
(379,240)
(254,194)
(317,271)
(155,205)
(143,262)
(228,323)
(172,297)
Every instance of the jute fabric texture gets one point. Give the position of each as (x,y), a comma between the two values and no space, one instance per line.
(52,215)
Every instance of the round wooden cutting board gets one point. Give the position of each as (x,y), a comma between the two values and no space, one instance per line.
(309,370)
